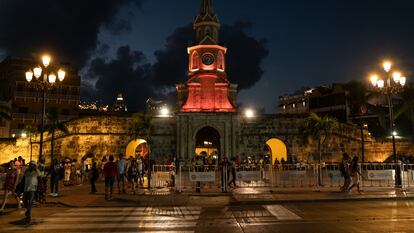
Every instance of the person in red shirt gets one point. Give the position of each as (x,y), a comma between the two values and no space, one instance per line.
(110,172)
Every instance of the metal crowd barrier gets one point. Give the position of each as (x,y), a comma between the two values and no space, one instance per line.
(214,178)
(206,178)
(163,176)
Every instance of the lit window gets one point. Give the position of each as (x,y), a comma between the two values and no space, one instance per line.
(304,103)
(194,62)
(294,105)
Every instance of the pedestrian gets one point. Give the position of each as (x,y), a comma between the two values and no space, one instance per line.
(110,172)
(132,172)
(344,168)
(55,171)
(12,178)
(140,168)
(233,173)
(93,176)
(121,173)
(355,174)
(83,170)
(30,178)
(67,167)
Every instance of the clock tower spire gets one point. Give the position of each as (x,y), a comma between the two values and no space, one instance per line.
(207,89)
(207,24)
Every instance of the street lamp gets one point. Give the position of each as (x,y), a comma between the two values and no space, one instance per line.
(44,80)
(392,83)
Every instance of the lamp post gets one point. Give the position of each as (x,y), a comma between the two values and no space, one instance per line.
(45,79)
(392,83)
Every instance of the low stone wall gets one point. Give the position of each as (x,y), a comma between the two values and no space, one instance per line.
(108,135)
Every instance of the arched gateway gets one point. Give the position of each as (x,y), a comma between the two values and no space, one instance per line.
(275,148)
(207,142)
(137,147)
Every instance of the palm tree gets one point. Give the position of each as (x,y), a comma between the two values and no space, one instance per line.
(320,128)
(141,127)
(407,108)
(5,111)
(30,131)
(53,126)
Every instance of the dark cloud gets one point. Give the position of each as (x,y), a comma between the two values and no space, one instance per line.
(67,28)
(244,57)
(130,74)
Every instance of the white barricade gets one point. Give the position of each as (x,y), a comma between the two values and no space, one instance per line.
(208,177)
(163,176)
(202,176)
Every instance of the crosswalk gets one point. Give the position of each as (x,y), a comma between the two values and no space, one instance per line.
(149,219)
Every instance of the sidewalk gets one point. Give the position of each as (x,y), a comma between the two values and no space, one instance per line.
(78,196)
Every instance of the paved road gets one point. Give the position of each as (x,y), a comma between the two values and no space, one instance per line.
(378,216)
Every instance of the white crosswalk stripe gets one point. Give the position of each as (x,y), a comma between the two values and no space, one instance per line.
(281,213)
(128,219)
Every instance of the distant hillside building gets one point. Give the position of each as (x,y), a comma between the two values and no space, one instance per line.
(332,100)
(26,102)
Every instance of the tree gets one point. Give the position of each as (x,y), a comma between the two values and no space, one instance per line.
(54,126)
(407,108)
(5,111)
(320,128)
(30,131)
(141,127)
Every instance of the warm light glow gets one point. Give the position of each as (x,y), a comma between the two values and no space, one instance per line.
(29,76)
(37,72)
(403,80)
(61,75)
(387,66)
(24,135)
(164,111)
(380,83)
(394,133)
(52,78)
(249,113)
(396,76)
(374,80)
(46,60)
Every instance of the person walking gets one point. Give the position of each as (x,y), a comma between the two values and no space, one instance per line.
(110,172)
(233,173)
(55,171)
(344,168)
(30,177)
(12,177)
(93,177)
(132,172)
(140,168)
(355,174)
(67,166)
(121,173)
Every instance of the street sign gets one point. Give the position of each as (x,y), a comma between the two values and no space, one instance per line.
(248,175)
(202,176)
(162,176)
(381,174)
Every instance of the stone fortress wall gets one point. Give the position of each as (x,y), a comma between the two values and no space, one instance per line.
(108,135)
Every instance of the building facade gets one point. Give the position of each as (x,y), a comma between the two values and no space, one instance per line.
(26,102)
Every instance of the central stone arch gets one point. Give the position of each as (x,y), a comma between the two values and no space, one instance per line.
(207,141)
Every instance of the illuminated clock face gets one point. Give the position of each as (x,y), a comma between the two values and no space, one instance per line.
(208,59)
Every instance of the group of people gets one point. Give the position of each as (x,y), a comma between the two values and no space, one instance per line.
(26,183)
(350,171)
(130,170)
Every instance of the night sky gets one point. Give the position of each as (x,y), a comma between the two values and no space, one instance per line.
(275,47)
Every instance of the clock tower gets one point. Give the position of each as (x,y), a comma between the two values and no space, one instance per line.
(207,88)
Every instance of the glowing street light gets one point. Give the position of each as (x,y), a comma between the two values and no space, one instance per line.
(164,112)
(392,83)
(42,85)
(249,113)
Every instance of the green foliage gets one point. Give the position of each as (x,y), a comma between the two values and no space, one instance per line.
(320,127)
(54,124)
(141,126)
